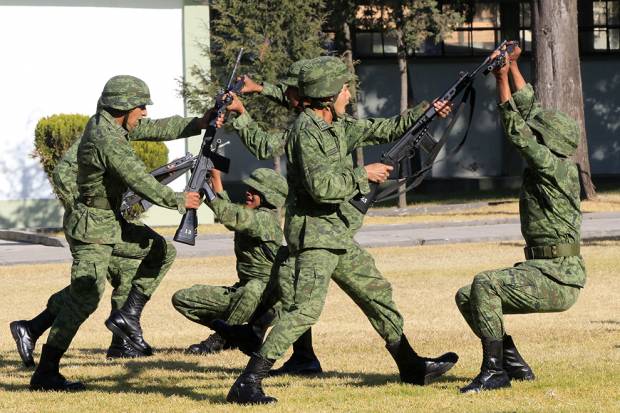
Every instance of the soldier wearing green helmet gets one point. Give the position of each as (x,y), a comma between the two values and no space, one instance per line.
(258,237)
(319,234)
(96,230)
(550,278)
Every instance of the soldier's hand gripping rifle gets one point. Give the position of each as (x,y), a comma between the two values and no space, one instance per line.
(418,135)
(207,159)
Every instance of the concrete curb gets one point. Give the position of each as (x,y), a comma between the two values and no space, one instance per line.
(32,238)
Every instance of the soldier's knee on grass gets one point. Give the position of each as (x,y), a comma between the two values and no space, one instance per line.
(171,251)
(462,298)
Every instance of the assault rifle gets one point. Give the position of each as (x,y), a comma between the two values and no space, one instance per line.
(207,159)
(164,174)
(418,136)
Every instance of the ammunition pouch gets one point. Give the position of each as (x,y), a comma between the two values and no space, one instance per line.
(551,251)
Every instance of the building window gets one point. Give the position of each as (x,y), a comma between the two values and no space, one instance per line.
(600,29)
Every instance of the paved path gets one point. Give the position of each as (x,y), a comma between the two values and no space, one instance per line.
(595,225)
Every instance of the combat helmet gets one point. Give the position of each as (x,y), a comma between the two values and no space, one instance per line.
(292,75)
(270,184)
(124,93)
(323,77)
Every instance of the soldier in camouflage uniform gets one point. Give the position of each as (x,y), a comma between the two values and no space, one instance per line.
(95,229)
(550,278)
(265,145)
(321,181)
(123,272)
(258,237)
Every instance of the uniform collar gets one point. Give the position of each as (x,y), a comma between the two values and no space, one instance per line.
(105,116)
(322,125)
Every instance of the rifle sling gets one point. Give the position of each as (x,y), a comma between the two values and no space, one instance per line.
(392,191)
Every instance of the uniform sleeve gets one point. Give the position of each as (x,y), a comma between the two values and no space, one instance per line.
(262,144)
(64,176)
(525,101)
(238,218)
(517,131)
(330,183)
(275,93)
(374,131)
(121,160)
(165,129)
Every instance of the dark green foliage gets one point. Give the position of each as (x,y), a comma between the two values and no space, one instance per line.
(274,34)
(53,135)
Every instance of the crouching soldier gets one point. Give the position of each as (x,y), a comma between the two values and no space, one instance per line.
(550,278)
(258,237)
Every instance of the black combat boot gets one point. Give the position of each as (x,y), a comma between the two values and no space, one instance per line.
(492,374)
(47,377)
(415,369)
(247,388)
(213,344)
(514,365)
(303,362)
(246,337)
(125,322)
(120,349)
(26,333)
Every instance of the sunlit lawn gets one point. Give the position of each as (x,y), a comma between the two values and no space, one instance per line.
(575,355)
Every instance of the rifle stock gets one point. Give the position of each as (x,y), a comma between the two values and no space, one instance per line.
(417,136)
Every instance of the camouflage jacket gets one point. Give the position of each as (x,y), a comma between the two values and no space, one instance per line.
(107,166)
(549,203)
(322,178)
(263,144)
(257,236)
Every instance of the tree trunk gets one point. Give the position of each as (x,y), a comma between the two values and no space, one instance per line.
(348,57)
(557,72)
(404,94)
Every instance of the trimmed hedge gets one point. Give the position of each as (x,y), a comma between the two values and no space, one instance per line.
(54,134)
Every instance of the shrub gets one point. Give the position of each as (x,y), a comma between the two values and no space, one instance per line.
(53,135)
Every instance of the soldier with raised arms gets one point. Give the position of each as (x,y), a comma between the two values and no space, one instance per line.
(321,180)
(553,273)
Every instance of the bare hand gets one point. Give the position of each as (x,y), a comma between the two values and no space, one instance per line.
(250,86)
(442,107)
(192,200)
(378,172)
(501,72)
(204,121)
(236,105)
(516,52)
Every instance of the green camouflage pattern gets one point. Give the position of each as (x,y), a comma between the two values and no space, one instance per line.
(322,179)
(262,144)
(140,261)
(107,167)
(124,93)
(549,208)
(91,268)
(354,271)
(559,132)
(270,184)
(323,77)
(522,289)
(549,202)
(292,75)
(258,238)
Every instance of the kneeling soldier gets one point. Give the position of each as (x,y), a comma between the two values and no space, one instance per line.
(258,237)
(554,272)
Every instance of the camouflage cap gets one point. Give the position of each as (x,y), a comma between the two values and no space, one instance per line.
(323,77)
(270,184)
(124,92)
(293,73)
(559,132)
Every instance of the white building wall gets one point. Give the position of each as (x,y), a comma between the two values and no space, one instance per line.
(57,55)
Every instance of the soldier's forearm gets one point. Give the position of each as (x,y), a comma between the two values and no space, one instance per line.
(503,89)
(517,77)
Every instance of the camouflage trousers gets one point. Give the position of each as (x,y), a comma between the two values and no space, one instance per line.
(141,260)
(203,304)
(522,289)
(354,271)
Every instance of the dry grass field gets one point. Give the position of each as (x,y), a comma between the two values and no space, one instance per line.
(576,354)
